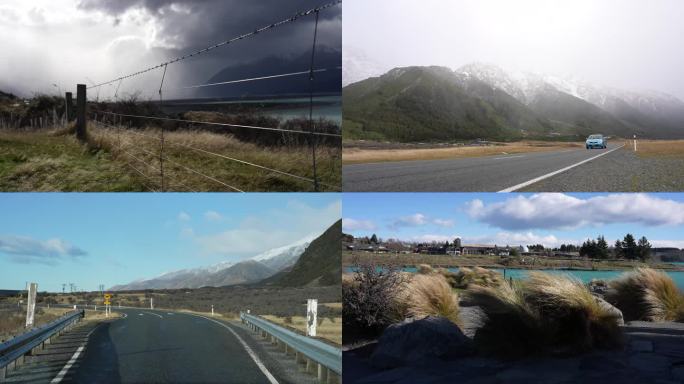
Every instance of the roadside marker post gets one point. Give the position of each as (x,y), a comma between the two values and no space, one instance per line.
(31,304)
(634,143)
(151,303)
(311,315)
(212,309)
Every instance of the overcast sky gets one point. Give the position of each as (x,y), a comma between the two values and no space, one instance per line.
(631,44)
(519,219)
(65,42)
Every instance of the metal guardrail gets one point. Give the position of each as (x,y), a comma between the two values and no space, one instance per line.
(316,350)
(19,346)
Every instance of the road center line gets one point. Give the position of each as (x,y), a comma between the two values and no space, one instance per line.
(507,157)
(65,369)
(249,350)
(540,178)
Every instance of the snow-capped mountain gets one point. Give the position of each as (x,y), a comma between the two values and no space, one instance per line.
(253,269)
(356,66)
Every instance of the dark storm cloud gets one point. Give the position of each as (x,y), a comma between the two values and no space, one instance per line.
(190,25)
(193,24)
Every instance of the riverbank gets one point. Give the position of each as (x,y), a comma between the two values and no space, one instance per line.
(413,260)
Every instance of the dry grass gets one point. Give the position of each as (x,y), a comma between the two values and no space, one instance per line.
(329,328)
(546,313)
(647,294)
(659,148)
(431,295)
(140,149)
(357,155)
(578,320)
(476,275)
(12,321)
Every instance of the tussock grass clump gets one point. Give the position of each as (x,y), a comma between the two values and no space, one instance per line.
(425,269)
(546,313)
(575,317)
(476,276)
(647,294)
(511,327)
(431,295)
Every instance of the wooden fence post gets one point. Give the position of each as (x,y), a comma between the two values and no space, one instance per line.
(81,112)
(69,107)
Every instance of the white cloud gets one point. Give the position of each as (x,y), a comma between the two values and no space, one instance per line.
(443,222)
(182,216)
(277,228)
(667,243)
(419,219)
(430,238)
(213,216)
(349,224)
(22,249)
(409,221)
(561,211)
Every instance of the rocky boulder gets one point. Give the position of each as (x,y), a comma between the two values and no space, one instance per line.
(419,342)
(611,309)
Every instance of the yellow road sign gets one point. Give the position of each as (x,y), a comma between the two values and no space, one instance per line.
(108,296)
(107,302)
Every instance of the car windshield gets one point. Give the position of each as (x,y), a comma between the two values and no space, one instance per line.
(595,136)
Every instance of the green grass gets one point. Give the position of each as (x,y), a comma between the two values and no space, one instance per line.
(38,161)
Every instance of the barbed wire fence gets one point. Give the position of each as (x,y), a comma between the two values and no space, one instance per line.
(153,172)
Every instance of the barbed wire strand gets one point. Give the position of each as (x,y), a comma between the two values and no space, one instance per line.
(226,42)
(226,124)
(176,163)
(290,74)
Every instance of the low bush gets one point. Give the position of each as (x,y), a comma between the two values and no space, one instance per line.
(370,302)
(647,294)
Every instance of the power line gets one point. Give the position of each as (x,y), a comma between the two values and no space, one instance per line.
(226,42)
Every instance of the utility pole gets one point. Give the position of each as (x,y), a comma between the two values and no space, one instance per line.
(63,288)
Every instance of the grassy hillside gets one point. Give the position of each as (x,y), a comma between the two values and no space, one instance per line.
(430,104)
(319,265)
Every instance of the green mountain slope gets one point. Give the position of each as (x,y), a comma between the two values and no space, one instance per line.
(319,265)
(433,104)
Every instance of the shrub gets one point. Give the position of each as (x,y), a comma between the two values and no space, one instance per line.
(647,294)
(369,299)
(431,295)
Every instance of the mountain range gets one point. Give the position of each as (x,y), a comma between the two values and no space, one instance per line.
(313,260)
(251,270)
(484,101)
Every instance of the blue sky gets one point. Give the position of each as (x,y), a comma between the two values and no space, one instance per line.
(97,238)
(515,219)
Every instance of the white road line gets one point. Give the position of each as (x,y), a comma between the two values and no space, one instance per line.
(540,178)
(249,350)
(65,369)
(507,157)
(140,314)
(154,314)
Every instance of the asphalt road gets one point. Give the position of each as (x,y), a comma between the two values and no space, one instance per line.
(478,174)
(162,347)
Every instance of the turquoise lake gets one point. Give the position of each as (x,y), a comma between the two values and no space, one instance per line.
(585,276)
